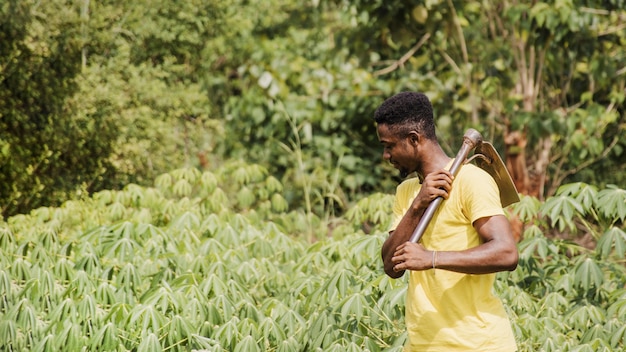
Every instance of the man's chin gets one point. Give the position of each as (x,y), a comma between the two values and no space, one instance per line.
(404,173)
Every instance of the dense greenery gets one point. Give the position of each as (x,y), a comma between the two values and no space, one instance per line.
(266,235)
(96,95)
(214,261)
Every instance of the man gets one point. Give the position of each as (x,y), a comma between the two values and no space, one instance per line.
(450,305)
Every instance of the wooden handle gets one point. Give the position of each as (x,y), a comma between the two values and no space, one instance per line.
(471,139)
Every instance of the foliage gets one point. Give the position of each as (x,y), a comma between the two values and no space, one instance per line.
(216,261)
(46,150)
(298,107)
(145,87)
(96,96)
(552,71)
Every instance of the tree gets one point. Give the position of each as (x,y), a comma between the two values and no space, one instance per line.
(544,80)
(46,152)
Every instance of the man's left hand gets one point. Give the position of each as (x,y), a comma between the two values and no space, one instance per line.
(411,256)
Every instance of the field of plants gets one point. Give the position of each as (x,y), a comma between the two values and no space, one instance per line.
(215,261)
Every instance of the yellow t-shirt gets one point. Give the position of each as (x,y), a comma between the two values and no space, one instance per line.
(449,311)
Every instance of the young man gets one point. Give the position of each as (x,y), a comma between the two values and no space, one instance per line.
(450,305)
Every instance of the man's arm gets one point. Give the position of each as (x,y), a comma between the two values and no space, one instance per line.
(498,252)
(434,185)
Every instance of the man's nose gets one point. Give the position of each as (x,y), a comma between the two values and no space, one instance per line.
(386,155)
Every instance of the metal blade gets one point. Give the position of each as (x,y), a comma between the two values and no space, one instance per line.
(487,158)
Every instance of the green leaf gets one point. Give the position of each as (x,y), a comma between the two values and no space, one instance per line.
(46,344)
(527,208)
(150,343)
(613,240)
(589,275)
(612,203)
(562,210)
(105,338)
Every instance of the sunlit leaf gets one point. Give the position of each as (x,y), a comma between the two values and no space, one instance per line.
(612,203)
(589,274)
(150,343)
(562,210)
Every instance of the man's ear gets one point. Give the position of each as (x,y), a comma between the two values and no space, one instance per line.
(414,137)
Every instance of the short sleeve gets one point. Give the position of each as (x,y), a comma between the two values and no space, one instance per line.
(405,193)
(482,194)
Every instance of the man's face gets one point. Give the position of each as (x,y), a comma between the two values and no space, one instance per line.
(398,150)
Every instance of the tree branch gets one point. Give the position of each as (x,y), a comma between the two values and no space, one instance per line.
(394,66)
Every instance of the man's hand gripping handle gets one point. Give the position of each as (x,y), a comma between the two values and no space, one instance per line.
(471,140)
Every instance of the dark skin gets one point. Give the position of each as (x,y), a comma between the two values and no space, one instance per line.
(415,153)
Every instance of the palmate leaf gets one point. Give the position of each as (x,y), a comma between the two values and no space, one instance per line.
(339,285)
(595,331)
(555,301)
(8,334)
(585,194)
(245,197)
(527,208)
(20,270)
(228,334)
(247,310)
(596,345)
(7,239)
(218,201)
(200,342)
(187,220)
(249,327)
(365,250)
(87,310)
(128,278)
(323,338)
(46,344)
(618,307)
(271,332)
(291,322)
(178,332)
(588,274)
(583,317)
(105,294)
(224,305)
(163,298)
(561,210)
(247,344)
(209,182)
(613,241)
(355,308)
(612,203)
(150,343)
(146,319)
(105,338)
(618,337)
(64,270)
(182,188)
(70,337)
(279,203)
(66,309)
(288,345)
(89,261)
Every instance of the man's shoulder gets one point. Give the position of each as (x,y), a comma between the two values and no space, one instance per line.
(472,173)
(409,183)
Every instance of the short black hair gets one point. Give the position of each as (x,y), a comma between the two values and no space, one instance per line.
(407,111)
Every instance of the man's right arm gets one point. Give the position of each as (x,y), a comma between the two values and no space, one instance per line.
(400,235)
(437,184)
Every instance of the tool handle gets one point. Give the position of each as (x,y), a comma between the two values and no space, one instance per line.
(471,139)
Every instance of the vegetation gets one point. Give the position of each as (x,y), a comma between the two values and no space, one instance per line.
(214,261)
(96,95)
(206,175)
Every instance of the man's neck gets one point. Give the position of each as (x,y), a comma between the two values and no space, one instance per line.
(436,161)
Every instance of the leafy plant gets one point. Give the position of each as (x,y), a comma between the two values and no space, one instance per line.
(196,267)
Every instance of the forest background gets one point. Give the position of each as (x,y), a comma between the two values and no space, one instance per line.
(270,102)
